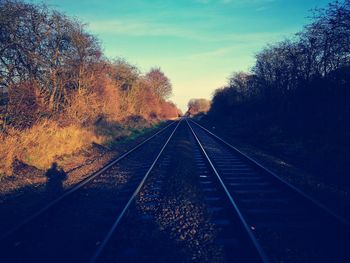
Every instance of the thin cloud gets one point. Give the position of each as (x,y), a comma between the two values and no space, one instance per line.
(234,1)
(156,29)
(213,53)
(202,1)
(140,28)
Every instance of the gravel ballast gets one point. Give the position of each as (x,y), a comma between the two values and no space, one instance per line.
(169,221)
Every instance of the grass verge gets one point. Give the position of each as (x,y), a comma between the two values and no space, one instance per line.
(47,142)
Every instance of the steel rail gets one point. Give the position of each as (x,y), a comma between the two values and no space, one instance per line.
(79,185)
(108,236)
(248,230)
(268,171)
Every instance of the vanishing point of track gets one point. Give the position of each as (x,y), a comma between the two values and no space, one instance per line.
(262,217)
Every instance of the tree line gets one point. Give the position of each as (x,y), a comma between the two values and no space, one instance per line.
(51,67)
(300,83)
(299,87)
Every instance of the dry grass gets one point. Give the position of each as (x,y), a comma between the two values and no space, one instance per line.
(41,144)
(47,141)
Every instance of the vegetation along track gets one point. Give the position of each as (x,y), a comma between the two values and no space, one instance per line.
(71,228)
(284,224)
(256,217)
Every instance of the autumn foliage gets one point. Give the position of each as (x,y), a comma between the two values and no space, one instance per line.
(55,81)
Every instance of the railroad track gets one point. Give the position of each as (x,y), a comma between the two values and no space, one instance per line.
(260,217)
(282,223)
(76,226)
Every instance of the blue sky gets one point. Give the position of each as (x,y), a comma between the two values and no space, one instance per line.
(197,43)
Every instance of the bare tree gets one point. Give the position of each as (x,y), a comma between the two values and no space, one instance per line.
(159,83)
(196,106)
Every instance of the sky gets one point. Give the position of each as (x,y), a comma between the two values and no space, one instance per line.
(197,43)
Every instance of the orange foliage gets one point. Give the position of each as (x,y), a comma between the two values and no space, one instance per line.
(51,97)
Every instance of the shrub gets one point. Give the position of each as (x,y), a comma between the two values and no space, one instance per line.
(41,144)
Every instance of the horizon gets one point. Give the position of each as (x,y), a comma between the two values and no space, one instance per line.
(198,44)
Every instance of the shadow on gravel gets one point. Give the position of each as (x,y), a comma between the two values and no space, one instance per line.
(70,231)
(55,179)
(20,203)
